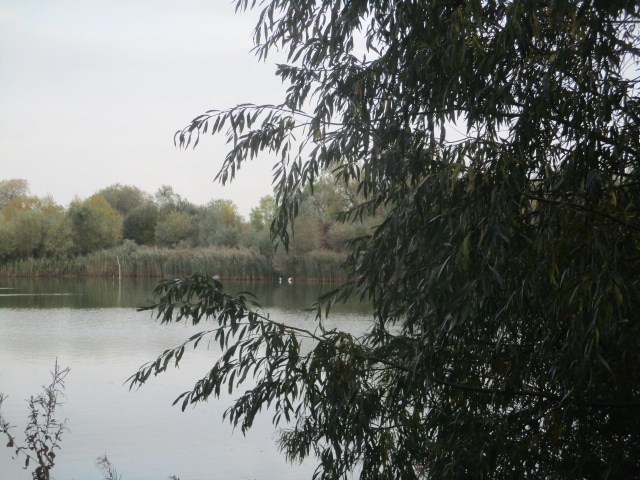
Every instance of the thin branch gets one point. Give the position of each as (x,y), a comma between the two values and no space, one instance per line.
(582,208)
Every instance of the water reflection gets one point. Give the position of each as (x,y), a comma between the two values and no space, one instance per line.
(91,325)
(94,292)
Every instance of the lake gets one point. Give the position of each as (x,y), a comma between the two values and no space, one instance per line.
(91,326)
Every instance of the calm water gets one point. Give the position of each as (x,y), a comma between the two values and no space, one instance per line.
(91,326)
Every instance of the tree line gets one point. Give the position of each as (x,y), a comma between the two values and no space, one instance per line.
(34,227)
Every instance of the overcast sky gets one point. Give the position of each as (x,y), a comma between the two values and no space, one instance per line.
(92,91)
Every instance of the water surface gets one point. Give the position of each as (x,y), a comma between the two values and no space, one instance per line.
(91,326)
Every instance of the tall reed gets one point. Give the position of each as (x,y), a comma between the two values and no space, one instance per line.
(317,265)
(229,263)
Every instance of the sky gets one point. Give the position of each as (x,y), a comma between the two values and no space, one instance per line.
(92,91)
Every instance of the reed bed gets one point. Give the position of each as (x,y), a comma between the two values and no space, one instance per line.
(130,260)
(228,263)
(320,265)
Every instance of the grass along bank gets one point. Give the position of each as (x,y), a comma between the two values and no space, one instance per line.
(130,260)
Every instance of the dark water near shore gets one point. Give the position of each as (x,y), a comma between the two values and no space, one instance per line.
(91,325)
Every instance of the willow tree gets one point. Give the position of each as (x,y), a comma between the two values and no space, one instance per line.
(501,139)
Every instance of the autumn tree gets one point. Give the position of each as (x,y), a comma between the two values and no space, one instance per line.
(501,140)
(323,201)
(140,223)
(11,189)
(262,215)
(219,223)
(123,198)
(168,200)
(176,229)
(34,227)
(96,225)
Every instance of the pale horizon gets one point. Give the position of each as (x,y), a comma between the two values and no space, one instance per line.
(92,93)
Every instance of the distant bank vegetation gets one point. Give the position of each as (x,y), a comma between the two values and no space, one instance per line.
(122,230)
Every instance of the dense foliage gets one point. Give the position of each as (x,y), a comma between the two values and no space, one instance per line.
(98,235)
(500,142)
